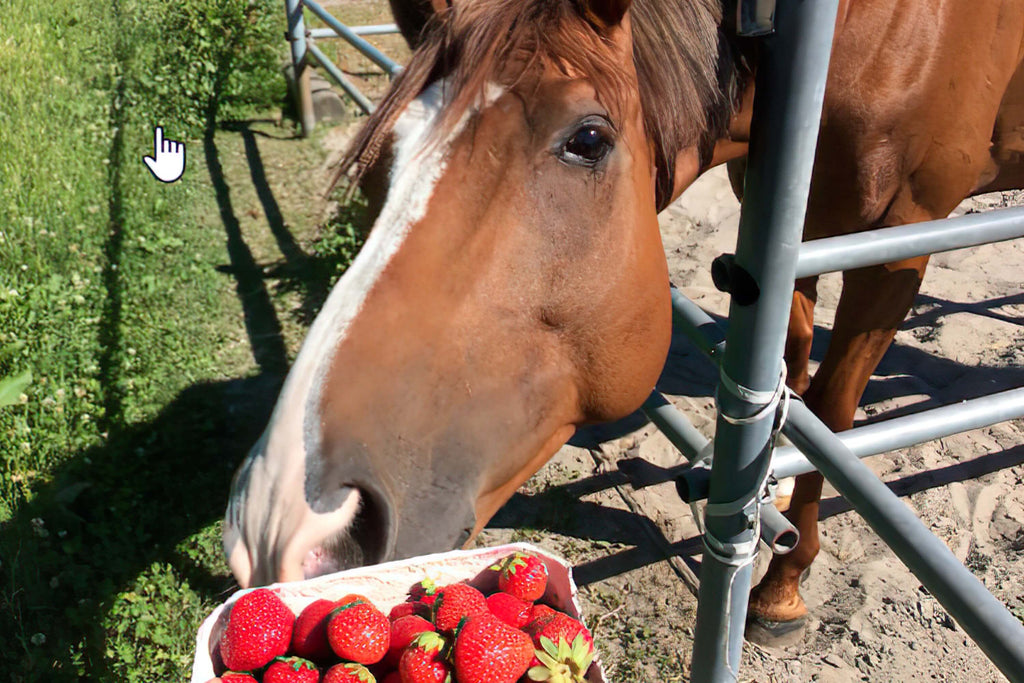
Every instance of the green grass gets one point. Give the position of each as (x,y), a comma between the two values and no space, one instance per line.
(128,390)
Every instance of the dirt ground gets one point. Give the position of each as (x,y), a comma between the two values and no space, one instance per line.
(636,549)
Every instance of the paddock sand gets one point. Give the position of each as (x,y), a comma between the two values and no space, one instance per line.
(872,620)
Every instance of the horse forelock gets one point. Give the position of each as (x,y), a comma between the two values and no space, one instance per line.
(687,79)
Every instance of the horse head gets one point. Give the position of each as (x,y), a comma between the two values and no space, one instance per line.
(513,287)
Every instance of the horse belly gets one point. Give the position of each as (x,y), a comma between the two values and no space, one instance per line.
(1006,171)
(913,98)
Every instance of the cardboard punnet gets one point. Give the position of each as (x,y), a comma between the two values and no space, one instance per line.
(388,584)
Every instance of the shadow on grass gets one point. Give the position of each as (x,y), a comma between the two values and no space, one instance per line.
(114,510)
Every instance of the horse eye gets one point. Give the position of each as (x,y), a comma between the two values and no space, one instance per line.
(586,147)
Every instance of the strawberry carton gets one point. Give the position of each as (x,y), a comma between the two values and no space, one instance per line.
(388,585)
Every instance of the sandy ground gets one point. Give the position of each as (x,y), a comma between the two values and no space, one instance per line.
(872,620)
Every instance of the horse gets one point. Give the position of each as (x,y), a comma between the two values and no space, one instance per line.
(514,286)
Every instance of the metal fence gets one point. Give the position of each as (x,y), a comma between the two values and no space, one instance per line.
(751,394)
(303,46)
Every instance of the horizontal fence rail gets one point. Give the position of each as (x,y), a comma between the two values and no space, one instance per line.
(372,53)
(355,93)
(374,30)
(903,432)
(303,47)
(885,245)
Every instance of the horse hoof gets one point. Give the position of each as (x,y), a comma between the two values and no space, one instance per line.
(775,634)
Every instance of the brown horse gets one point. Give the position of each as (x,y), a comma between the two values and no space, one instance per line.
(514,284)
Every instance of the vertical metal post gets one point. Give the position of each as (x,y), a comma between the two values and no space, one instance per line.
(787,109)
(301,87)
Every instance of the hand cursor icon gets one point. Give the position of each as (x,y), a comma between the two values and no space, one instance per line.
(168,160)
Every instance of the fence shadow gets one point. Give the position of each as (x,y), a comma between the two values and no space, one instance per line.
(904,371)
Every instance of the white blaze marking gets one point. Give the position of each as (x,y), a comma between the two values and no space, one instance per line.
(273,500)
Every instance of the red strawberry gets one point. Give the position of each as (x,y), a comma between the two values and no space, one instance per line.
(487,650)
(259,629)
(510,609)
(539,615)
(558,628)
(237,677)
(564,662)
(555,626)
(348,672)
(423,660)
(425,591)
(352,597)
(523,575)
(291,670)
(359,632)
(404,609)
(456,601)
(403,632)
(309,637)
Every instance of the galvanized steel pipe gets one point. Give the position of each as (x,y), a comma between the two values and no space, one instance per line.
(986,620)
(885,245)
(375,55)
(901,432)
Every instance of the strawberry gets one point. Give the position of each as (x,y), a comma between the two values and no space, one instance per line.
(456,601)
(510,609)
(423,661)
(393,677)
(359,632)
(291,670)
(237,677)
(259,629)
(348,672)
(555,626)
(403,632)
(487,650)
(522,575)
(425,591)
(539,615)
(404,609)
(563,663)
(352,597)
(558,628)
(309,637)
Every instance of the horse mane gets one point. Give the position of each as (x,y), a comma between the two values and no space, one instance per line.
(688,77)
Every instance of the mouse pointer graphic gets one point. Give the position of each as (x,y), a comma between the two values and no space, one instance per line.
(168,161)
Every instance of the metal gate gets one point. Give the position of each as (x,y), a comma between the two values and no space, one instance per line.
(303,46)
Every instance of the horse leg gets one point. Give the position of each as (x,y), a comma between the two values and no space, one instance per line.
(798,355)
(874,302)
(801,333)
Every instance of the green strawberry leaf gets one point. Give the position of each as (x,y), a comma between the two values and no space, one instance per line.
(538,673)
(549,646)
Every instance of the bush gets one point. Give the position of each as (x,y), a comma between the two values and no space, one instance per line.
(209,59)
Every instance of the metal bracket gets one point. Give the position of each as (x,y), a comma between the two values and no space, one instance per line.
(732,278)
(755,17)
